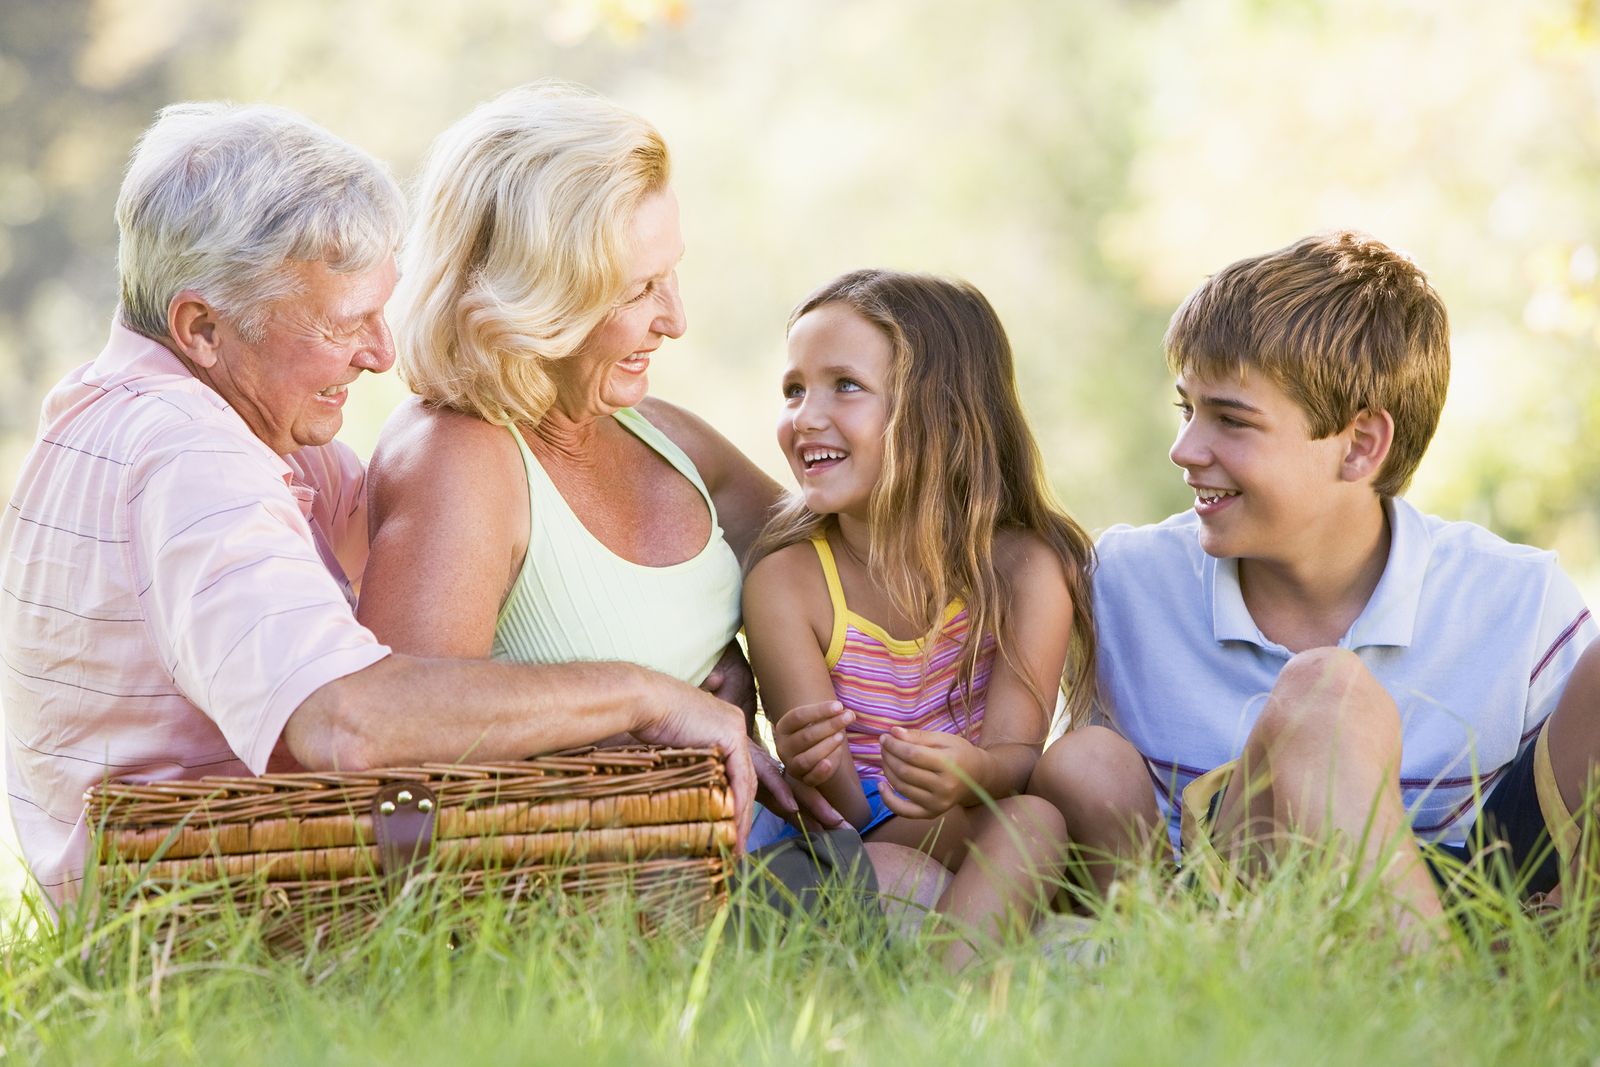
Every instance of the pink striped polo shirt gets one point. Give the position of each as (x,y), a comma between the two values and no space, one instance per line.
(889,682)
(170,591)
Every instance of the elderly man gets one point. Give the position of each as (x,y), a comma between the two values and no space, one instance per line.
(176,598)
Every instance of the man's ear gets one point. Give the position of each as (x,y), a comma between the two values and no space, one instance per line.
(1370,434)
(192,324)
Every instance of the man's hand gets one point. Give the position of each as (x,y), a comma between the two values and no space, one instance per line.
(685,717)
(811,742)
(731,680)
(929,772)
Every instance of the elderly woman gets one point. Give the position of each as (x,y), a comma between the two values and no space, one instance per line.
(530,502)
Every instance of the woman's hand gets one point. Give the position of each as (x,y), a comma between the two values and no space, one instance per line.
(773,790)
(930,772)
(732,681)
(811,742)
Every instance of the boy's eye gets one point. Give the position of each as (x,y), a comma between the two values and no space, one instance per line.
(793,390)
(1185,409)
(1230,421)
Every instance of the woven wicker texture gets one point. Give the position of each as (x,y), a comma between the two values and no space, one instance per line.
(656,820)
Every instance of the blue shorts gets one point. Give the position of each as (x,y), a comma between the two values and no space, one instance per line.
(880,813)
(1510,835)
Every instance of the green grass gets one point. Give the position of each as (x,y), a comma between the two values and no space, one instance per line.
(1300,971)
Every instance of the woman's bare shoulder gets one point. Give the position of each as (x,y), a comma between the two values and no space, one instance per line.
(424,448)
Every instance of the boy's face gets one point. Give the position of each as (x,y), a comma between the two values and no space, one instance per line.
(1263,487)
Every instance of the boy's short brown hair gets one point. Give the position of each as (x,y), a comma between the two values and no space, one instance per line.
(1339,321)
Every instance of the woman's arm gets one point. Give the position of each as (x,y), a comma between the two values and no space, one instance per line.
(448,514)
(787,619)
(744,496)
(933,770)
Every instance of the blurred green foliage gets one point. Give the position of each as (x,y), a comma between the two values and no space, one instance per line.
(1085,164)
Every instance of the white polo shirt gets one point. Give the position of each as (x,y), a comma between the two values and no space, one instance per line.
(1471,635)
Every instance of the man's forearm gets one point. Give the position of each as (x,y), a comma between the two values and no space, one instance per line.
(406,710)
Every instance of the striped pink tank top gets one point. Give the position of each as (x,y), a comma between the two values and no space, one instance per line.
(887,682)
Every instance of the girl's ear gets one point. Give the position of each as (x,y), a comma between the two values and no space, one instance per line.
(1370,435)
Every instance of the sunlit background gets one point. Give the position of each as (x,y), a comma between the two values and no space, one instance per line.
(1084,163)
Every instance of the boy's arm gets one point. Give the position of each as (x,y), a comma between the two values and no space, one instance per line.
(783,605)
(938,771)
(1565,629)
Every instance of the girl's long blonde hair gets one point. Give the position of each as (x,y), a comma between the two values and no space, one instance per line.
(959,464)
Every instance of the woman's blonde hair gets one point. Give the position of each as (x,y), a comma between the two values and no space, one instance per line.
(959,464)
(520,244)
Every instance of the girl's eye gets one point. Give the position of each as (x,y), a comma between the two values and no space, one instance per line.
(850,385)
(793,390)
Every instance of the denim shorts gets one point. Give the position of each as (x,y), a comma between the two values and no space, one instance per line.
(880,814)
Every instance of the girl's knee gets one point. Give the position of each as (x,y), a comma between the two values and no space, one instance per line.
(1036,814)
(1089,768)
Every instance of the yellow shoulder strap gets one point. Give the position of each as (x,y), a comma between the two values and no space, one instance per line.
(830,574)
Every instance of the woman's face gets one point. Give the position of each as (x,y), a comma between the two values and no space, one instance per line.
(609,369)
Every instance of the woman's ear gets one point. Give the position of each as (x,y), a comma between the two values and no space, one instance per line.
(1370,435)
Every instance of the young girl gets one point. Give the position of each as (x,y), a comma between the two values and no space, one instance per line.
(910,612)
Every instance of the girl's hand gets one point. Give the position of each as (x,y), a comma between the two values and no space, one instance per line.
(929,772)
(810,740)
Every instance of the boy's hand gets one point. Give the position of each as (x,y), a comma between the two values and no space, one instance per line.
(929,772)
(810,741)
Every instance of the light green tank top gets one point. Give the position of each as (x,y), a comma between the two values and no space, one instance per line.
(575,599)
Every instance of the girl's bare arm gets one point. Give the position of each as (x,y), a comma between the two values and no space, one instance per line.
(787,619)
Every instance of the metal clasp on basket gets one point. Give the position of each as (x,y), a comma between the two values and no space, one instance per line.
(402,822)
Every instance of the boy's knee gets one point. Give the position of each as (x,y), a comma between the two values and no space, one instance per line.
(1326,697)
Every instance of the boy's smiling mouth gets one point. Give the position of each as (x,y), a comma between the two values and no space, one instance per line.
(1208,499)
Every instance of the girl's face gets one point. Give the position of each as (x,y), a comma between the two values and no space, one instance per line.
(835,408)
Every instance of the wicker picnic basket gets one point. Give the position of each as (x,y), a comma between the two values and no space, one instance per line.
(326,851)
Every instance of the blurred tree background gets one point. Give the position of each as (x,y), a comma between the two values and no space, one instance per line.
(1084,163)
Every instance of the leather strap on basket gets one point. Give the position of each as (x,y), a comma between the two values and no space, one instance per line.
(402,821)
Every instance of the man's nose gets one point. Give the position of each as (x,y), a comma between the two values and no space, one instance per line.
(377,355)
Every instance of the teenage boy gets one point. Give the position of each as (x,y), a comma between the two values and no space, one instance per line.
(1303,652)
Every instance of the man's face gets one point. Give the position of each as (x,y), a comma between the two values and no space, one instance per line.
(1263,487)
(290,384)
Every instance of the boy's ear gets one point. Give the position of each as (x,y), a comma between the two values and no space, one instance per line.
(1370,435)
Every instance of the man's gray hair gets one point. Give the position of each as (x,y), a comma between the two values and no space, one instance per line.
(219,198)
